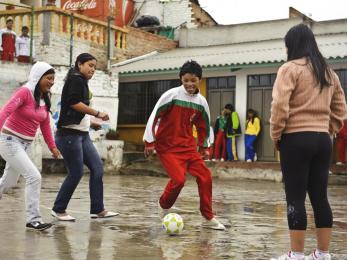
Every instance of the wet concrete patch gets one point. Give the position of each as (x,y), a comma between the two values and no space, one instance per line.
(253,211)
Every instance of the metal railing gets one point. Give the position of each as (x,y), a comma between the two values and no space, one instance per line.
(67,23)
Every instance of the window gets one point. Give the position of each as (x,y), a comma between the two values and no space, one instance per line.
(265,80)
(343,79)
(137,99)
(221,83)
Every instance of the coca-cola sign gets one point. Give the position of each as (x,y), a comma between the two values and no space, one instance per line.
(79,5)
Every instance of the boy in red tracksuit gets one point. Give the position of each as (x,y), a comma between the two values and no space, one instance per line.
(8,42)
(341,143)
(169,132)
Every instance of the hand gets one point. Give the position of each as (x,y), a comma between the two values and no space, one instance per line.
(149,150)
(103,116)
(276,144)
(95,126)
(55,153)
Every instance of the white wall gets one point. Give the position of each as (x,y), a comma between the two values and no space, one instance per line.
(103,86)
(172,13)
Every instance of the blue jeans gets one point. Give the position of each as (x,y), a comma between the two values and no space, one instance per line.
(14,151)
(249,145)
(78,150)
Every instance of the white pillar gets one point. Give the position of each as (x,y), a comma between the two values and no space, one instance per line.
(241,108)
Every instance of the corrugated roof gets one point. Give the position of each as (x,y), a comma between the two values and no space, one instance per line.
(265,52)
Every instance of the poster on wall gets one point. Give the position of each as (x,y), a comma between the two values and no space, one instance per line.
(92,8)
(121,10)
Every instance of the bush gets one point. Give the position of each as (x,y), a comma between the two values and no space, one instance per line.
(112,134)
(2,165)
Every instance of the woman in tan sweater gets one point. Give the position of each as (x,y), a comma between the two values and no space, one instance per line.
(308,104)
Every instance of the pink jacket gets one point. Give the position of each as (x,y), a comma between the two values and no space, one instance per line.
(22,116)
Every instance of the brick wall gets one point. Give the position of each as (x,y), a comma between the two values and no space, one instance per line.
(141,42)
(57,52)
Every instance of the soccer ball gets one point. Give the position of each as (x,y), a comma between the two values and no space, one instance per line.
(172,224)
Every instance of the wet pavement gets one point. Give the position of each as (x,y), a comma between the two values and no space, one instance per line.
(253,211)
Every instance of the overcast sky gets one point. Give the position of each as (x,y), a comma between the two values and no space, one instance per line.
(243,11)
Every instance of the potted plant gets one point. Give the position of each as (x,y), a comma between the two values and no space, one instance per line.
(112,134)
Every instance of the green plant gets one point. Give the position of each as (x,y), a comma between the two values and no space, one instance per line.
(112,134)
(2,165)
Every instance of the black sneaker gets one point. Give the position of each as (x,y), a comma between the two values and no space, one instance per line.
(37,225)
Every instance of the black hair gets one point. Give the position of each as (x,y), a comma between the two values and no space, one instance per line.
(25,28)
(9,20)
(251,111)
(300,42)
(230,107)
(191,67)
(82,58)
(46,96)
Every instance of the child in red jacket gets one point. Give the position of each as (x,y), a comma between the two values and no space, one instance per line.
(169,132)
(7,41)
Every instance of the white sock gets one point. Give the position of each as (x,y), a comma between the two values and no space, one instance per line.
(320,253)
(296,255)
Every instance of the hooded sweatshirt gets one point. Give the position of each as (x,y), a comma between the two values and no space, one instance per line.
(21,115)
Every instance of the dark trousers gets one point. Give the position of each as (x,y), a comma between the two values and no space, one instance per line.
(305,160)
(78,150)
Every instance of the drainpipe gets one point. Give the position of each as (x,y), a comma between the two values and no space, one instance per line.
(71,38)
(32,33)
(109,43)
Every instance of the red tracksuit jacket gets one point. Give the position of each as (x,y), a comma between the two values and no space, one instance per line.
(171,122)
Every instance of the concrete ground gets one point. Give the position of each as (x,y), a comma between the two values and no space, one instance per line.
(253,211)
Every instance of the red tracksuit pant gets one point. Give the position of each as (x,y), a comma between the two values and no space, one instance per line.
(341,143)
(176,166)
(8,56)
(220,146)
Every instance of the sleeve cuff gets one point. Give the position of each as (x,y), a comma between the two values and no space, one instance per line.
(149,145)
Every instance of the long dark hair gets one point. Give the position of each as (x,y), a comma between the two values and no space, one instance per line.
(82,58)
(46,96)
(300,42)
(251,111)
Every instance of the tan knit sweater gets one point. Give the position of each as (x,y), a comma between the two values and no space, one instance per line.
(299,105)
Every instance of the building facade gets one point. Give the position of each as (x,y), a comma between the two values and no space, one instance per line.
(239,62)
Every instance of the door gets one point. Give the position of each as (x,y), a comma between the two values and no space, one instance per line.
(259,99)
(221,91)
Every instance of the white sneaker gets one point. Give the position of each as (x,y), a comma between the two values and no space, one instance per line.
(249,160)
(314,256)
(162,212)
(105,214)
(213,224)
(339,163)
(213,160)
(288,256)
(62,217)
(221,159)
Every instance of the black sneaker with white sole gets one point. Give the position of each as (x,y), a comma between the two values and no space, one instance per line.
(37,225)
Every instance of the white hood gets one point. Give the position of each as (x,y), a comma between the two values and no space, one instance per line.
(36,73)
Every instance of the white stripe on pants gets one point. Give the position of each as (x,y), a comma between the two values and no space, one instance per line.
(13,151)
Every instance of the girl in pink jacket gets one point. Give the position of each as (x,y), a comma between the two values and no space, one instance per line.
(26,111)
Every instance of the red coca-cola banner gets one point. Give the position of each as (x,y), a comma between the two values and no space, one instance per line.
(121,10)
(97,9)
